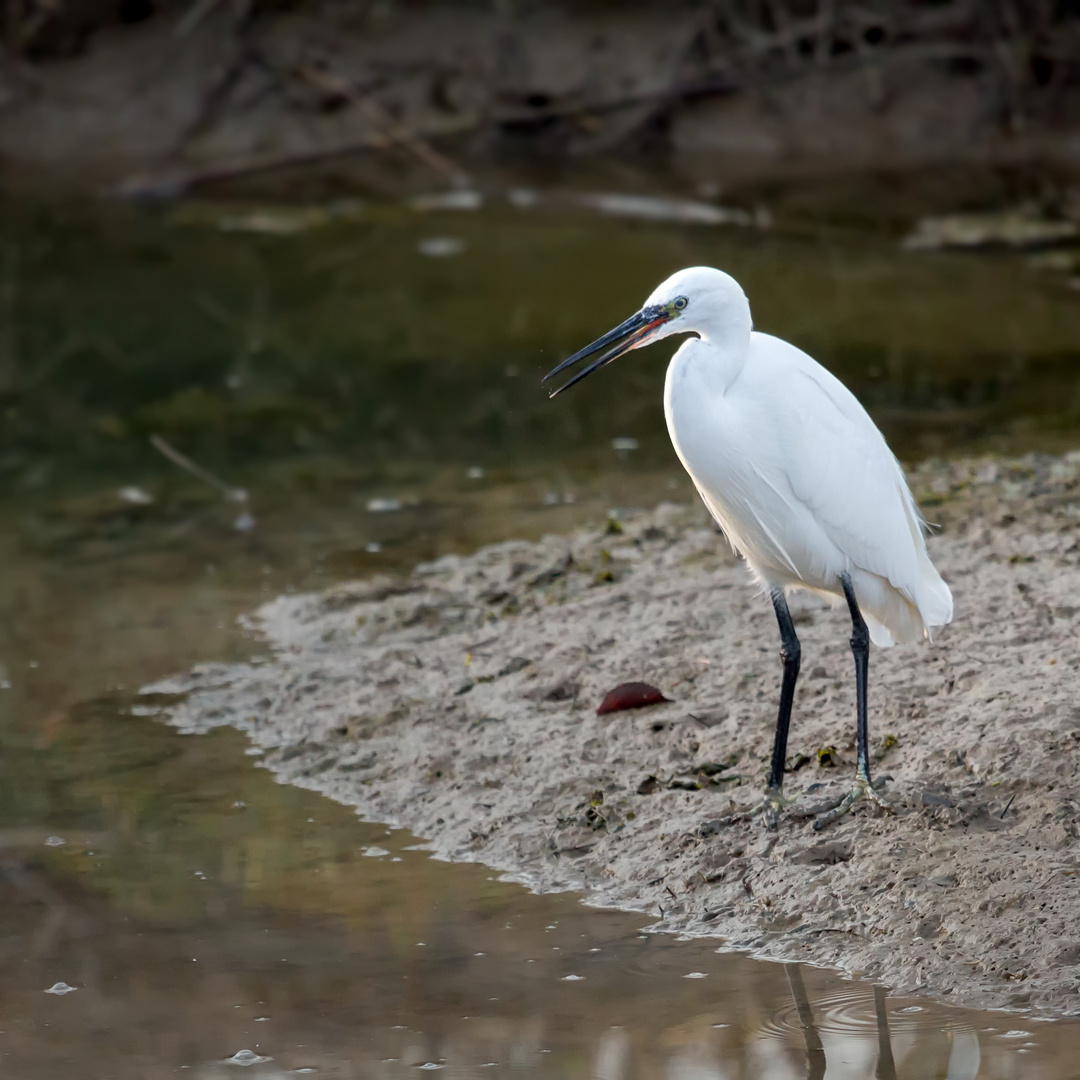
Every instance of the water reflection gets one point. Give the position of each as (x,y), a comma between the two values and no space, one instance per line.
(201,910)
(348,341)
(886,1066)
(815,1052)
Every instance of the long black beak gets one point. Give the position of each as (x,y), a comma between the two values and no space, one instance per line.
(627,334)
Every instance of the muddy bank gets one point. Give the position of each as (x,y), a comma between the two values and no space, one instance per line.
(461,702)
(164,96)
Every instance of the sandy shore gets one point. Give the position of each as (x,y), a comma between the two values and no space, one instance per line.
(461,703)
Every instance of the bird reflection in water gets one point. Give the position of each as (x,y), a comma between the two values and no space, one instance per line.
(886,1067)
(815,1052)
(964,1056)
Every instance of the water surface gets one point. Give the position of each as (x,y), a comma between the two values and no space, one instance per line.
(202,910)
(381,405)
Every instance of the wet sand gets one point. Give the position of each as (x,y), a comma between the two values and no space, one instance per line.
(461,702)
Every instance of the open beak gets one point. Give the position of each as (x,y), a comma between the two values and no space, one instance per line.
(628,335)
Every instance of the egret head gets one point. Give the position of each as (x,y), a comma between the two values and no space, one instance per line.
(697,300)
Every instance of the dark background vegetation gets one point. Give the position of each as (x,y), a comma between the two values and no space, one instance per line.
(200,91)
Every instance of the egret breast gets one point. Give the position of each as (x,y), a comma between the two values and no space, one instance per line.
(729,441)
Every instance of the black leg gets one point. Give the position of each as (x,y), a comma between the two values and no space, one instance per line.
(863,790)
(860,649)
(790,655)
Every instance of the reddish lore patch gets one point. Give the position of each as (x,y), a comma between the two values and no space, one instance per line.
(630,695)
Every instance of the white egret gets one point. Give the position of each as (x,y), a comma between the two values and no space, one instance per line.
(797,476)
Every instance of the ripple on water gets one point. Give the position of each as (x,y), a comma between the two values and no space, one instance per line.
(850,1011)
(660,957)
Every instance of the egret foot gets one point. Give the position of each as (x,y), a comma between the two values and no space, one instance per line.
(772,803)
(862,791)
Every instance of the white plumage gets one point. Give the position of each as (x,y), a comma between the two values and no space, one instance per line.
(792,467)
(798,477)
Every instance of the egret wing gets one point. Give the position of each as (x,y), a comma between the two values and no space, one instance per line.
(842,470)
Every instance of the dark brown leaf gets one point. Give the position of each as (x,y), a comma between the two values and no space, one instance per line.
(630,695)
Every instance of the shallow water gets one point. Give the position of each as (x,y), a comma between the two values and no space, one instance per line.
(202,910)
(199,908)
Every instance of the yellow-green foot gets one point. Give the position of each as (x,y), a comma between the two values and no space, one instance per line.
(769,810)
(771,806)
(862,791)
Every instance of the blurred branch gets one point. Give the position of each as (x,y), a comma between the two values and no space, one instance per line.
(200,9)
(717,78)
(1022,51)
(175,183)
(755,43)
(184,462)
(384,123)
(216,97)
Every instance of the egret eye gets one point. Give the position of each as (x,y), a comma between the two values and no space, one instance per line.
(680,302)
